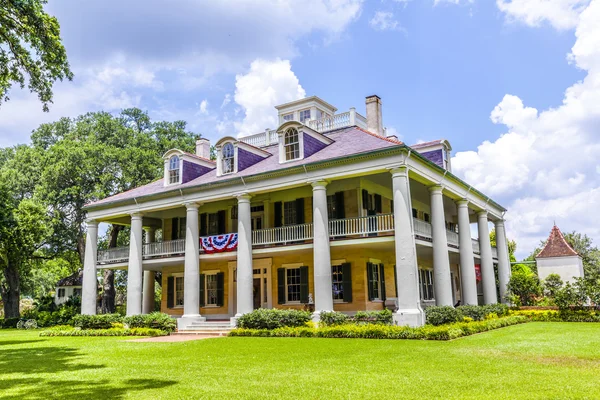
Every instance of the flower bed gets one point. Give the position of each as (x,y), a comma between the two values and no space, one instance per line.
(104,332)
(379,331)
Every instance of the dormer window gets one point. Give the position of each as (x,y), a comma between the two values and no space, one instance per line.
(291,144)
(304,115)
(174,169)
(228,158)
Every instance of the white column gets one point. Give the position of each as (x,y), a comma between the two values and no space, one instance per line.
(191,273)
(409,301)
(487,263)
(442,282)
(245,300)
(89,290)
(148,285)
(321,252)
(134,269)
(503,259)
(467,263)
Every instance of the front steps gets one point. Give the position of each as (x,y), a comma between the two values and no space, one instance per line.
(206,328)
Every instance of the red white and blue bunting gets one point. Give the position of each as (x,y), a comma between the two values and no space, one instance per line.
(219,243)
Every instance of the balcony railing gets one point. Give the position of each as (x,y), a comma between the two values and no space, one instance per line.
(293,234)
(369,225)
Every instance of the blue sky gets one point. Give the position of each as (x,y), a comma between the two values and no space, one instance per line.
(512,84)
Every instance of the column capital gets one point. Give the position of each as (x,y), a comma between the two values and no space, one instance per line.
(401,170)
(243,197)
(462,203)
(318,185)
(136,215)
(192,205)
(482,214)
(91,223)
(436,189)
(499,222)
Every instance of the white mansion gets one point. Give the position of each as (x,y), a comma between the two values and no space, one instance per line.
(325,212)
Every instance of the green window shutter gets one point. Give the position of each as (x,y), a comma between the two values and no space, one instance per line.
(304,285)
(347,282)
(370,281)
(280,285)
(340,210)
(365,199)
(395,281)
(382,281)
(202,302)
(182,224)
(415,213)
(278,208)
(220,288)
(175,229)
(170,292)
(203,224)
(378,204)
(300,211)
(222,218)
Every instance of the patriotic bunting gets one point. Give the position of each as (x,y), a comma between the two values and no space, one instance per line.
(219,243)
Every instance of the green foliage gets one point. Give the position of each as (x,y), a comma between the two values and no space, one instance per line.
(263,318)
(31,51)
(476,313)
(566,315)
(442,315)
(154,320)
(105,332)
(100,321)
(333,318)
(9,322)
(47,313)
(380,331)
(523,288)
(498,308)
(552,284)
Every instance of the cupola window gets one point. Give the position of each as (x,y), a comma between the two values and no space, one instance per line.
(174,169)
(228,158)
(291,144)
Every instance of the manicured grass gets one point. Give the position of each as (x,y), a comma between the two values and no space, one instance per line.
(529,361)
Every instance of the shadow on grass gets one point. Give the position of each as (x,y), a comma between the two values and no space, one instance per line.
(102,389)
(41,360)
(13,342)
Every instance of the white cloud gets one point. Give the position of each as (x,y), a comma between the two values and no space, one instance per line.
(457,2)
(204,106)
(545,166)
(384,21)
(391,131)
(267,84)
(226,100)
(561,14)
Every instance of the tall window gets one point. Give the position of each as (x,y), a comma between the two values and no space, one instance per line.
(228,158)
(288,117)
(337,278)
(174,170)
(375,282)
(289,213)
(293,285)
(304,115)
(426,283)
(211,290)
(179,290)
(213,224)
(291,144)
(61,292)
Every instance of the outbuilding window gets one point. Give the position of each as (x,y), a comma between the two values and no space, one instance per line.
(174,169)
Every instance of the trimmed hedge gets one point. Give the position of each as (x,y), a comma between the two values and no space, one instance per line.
(155,320)
(334,318)
(104,332)
(263,318)
(559,316)
(447,315)
(442,315)
(379,331)
(100,321)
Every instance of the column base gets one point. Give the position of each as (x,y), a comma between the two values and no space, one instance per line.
(185,321)
(409,317)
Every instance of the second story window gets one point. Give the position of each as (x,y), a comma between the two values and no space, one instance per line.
(291,144)
(304,115)
(288,117)
(228,158)
(174,170)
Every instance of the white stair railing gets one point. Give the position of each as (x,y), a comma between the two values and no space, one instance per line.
(283,234)
(164,248)
(371,224)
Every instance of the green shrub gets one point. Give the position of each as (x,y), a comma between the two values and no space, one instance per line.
(100,321)
(10,322)
(441,315)
(499,309)
(331,318)
(104,332)
(476,313)
(155,320)
(273,318)
(378,317)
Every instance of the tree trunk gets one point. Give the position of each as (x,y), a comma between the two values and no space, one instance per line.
(108,292)
(11,292)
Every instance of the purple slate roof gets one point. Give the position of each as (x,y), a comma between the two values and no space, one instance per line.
(347,141)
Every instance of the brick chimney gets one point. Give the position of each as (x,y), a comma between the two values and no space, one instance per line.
(203,148)
(374,121)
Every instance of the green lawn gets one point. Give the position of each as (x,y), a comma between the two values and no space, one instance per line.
(528,361)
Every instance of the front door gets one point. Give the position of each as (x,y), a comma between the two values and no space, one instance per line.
(257,293)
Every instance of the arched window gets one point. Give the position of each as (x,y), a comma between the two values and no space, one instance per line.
(228,158)
(291,144)
(174,169)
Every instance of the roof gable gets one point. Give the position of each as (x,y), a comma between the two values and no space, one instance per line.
(557,246)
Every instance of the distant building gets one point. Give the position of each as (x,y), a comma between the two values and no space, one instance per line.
(558,257)
(68,287)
